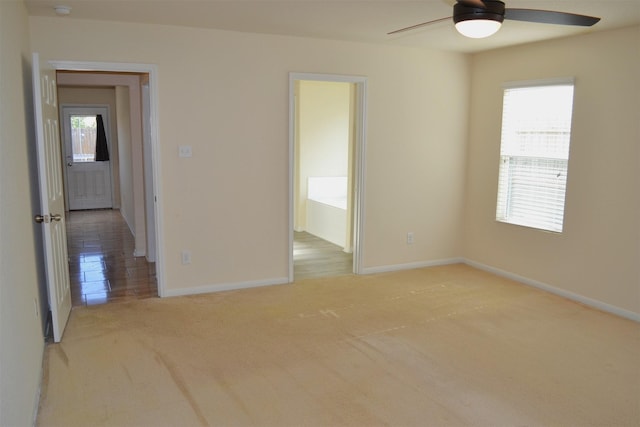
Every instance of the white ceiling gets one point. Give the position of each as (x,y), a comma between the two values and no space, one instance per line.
(352,20)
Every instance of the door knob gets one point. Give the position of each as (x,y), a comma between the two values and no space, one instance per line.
(41,218)
(47,218)
(69,164)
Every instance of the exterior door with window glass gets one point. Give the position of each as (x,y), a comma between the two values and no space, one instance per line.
(88,179)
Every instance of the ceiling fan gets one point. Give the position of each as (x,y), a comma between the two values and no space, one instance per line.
(482,18)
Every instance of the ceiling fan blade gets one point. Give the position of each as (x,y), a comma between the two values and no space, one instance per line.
(413,27)
(550,17)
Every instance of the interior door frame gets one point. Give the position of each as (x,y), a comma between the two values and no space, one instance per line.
(64,111)
(152,71)
(360,83)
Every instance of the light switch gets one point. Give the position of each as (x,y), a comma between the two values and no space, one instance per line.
(184,151)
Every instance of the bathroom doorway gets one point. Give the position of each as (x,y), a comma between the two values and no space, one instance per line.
(326,174)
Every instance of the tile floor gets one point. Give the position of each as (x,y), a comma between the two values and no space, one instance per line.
(102,267)
(315,257)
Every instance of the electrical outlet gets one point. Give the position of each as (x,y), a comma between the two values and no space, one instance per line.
(186,257)
(185,151)
(410,238)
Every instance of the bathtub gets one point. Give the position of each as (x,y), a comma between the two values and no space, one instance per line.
(327,208)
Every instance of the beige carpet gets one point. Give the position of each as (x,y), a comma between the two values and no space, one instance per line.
(445,346)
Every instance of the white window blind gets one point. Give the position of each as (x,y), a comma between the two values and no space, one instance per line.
(534,153)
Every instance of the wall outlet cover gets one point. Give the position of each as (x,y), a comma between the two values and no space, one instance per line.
(185,151)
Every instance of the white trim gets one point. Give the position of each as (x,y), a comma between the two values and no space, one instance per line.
(291,175)
(359,175)
(557,81)
(627,314)
(319,77)
(38,396)
(220,287)
(557,291)
(152,70)
(103,66)
(412,265)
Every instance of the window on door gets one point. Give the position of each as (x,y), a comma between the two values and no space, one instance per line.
(534,155)
(83,137)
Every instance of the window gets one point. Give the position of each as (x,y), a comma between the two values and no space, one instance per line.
(83,138)
(534,153)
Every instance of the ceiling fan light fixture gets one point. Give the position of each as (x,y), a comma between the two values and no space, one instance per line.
(478,28)
(62,10)
(478,22)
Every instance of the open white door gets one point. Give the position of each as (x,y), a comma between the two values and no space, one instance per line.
(51,195)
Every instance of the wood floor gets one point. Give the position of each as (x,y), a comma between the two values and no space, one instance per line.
(443,346)
(315,257)
(102,267)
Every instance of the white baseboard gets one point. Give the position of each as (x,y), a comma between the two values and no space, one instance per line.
(219,287)
(557,291)
(411,265)
(627,314)
(38,396)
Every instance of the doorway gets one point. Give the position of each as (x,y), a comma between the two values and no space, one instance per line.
(135,174)
(87,165)
(326,174)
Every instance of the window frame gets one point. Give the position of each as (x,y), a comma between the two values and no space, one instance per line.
(503,206)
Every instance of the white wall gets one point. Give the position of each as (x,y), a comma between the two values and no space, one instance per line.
(125,162)
(324,127)
(23,299)
(597,255)
(225,94)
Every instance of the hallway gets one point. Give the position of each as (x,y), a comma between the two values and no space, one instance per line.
(102,267)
